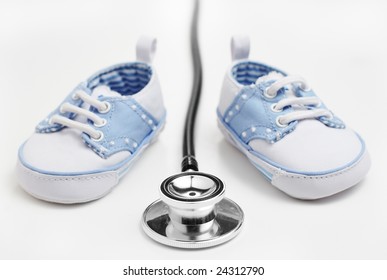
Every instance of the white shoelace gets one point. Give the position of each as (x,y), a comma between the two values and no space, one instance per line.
(101,106)
(299,103)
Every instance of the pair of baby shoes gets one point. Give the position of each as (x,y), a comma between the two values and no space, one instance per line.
(82,149)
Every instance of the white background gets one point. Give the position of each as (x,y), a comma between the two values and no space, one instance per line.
(46,48)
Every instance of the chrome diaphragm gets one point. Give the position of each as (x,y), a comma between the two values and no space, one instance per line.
(192,212)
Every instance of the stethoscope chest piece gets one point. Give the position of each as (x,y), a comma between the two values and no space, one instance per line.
(192,212)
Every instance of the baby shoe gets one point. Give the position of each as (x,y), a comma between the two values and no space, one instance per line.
(82,149)
(286,131)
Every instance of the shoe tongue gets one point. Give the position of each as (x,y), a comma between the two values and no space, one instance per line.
(272,76)
(104,91)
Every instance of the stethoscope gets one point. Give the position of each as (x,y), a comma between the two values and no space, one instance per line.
(192,211)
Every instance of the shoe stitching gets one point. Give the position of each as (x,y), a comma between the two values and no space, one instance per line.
(70,178)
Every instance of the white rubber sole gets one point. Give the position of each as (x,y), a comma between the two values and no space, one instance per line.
(77,188)
(304,186)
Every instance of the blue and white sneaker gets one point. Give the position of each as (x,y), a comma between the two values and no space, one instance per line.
(286,131)
(83,148)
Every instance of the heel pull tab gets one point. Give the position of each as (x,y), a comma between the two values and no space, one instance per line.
(146,49)
(240,47)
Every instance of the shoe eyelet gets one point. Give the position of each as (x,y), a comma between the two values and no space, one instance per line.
(99,138)
(267,95)
(272,107)
(108,107)
(104,122)
(61,109)
(74,96)
(278,122)
(307,89)
(330,117)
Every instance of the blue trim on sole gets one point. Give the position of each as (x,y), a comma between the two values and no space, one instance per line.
(276,165)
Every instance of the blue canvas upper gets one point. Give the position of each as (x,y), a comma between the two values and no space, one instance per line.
(127,126)
(128,123)
(250,115)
